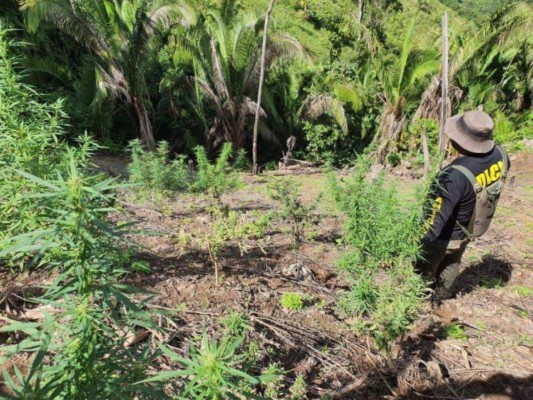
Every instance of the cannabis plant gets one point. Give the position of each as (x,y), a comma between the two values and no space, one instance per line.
(154,173)
(218,178)
(381,237)
(228,227)
(83,346)
(291,209)
(214,370)
(31,134)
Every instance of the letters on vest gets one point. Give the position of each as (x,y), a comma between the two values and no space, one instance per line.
(488,187)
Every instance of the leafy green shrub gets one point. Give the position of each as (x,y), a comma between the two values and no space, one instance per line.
(381,235)
(323,142)
(242,163)
(291,209)
(292,301)
(154,172)
(215,179)
(214,370)
(31,134)
(81,347)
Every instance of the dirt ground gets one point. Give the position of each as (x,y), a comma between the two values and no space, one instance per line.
(490,358)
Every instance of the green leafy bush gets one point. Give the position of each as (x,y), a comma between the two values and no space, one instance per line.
(214,370)
(327,143)
(218,178)
(153,171)
(381,235)
(291,210)
(30,140)
(81,347)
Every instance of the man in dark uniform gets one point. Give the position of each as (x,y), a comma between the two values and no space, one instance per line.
(455,198)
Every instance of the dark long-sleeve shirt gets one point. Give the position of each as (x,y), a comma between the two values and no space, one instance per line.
(454,196)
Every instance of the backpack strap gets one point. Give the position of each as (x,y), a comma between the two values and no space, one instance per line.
(505,158)
(469,231)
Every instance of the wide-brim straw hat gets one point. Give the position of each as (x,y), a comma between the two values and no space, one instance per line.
(472,131)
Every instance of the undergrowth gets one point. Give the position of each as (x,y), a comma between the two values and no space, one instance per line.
(218,369)
(154,174)
(291,210)
(381,238)
(54,215)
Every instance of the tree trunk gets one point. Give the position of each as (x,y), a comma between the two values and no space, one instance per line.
(425,149)
(443,139)
(361,11)
(261,81)
(145,126)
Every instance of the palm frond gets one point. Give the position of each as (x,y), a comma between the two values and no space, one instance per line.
(407,47)
(62,14)
(219,79)
(317,105)
(351,95)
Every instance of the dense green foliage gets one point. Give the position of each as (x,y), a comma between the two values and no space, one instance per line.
(382,237)
(339,77)
(153,173)
(85,346)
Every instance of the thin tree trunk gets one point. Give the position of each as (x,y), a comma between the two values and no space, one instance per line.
(425,149)
(361,11)
(145,126)
(444,86)
(261,81)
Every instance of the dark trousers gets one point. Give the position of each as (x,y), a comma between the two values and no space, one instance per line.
(440,265)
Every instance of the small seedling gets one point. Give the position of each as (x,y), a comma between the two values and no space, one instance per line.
(525,340)
(292,301)
(491,282)
(235,324)
(298,388)
(313,236)
(455,331)
(291,209)
(273,388)
(522,291)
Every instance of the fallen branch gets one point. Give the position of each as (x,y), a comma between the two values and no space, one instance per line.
(355,385)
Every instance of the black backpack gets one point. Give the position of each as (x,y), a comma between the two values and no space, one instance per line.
(486,199)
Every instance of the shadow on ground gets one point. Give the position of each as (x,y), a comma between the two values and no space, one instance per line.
(490,272)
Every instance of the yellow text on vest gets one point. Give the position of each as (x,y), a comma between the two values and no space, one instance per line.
(490,175)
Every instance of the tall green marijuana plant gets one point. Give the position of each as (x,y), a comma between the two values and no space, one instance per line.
(81,347)
(382,236)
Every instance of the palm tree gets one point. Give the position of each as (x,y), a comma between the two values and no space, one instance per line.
(400,82)
(503,34)
(117,34)
(224,51)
